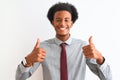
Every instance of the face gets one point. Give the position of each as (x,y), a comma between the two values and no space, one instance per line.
(62,22)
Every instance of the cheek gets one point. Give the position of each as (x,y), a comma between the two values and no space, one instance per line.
(70,26)
(54,24)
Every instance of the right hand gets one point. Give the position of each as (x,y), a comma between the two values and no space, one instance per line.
(37,55)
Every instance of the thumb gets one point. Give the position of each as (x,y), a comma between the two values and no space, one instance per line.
(37,43)
(90,40)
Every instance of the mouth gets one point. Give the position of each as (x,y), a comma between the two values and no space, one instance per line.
(62,29)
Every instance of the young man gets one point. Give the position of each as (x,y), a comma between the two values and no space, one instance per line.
(48,53)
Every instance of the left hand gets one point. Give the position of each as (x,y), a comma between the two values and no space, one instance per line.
(91,52)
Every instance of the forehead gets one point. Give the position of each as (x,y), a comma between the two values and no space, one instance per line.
(62,14)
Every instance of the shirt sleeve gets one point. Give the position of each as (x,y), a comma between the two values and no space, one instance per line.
(102,71)
(22,73)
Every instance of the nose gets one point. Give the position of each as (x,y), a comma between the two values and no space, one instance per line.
(62,23)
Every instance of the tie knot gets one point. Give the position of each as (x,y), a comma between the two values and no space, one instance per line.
(63,44)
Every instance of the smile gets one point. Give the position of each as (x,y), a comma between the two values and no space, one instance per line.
(62,28)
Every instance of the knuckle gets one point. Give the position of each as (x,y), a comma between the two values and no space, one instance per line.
(38,55)
(39,51)
(37,59)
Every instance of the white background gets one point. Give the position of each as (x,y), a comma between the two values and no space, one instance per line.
(23,21)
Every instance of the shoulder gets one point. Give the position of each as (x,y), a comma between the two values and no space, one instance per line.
(47,42)
(79,41)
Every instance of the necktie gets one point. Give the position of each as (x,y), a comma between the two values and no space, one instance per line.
(63,63)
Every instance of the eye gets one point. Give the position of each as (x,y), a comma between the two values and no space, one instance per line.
(67,20)
(58,20)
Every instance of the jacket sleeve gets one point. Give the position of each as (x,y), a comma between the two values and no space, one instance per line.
(22,73)
(102,71)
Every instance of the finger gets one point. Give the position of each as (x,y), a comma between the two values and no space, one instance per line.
(88,55)
(86,48)
(37,43)
(42,57)
(43,54)
(90,40)
(43,50)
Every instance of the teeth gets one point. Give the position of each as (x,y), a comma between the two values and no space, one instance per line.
(62,28)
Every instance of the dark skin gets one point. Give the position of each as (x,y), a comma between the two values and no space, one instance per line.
(62,24)
(91,52)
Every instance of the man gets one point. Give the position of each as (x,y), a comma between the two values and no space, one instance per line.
(78,53)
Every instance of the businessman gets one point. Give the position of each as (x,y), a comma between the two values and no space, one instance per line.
(63,57)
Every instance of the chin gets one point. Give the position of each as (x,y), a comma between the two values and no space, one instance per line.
(62,35)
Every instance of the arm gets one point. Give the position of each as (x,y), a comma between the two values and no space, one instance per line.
(22,72)
(102,71)
(33,60)
(96,61)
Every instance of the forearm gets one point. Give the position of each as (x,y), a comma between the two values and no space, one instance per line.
(105,69)
(102,71)
(22,72)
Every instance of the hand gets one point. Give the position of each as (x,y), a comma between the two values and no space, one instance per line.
(91,52)
(37,55)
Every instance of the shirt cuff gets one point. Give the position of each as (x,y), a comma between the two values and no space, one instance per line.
(104,65)
(24,69)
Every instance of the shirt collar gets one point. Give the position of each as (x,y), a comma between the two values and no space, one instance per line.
(68,41)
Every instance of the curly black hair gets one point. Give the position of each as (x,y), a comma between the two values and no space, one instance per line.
(62,6)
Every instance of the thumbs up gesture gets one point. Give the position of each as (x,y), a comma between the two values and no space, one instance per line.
(37,55)
(91,52)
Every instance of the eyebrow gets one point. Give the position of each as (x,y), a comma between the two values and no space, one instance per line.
(65,18)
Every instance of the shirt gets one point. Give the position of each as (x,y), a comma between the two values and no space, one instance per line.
(76,62)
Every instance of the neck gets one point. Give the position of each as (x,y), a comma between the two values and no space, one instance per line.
(63,37)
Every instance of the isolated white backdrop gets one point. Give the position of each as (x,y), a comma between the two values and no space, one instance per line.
(23,21)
